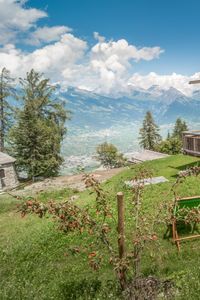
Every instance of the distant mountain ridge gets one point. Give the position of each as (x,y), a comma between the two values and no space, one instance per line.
(93,110)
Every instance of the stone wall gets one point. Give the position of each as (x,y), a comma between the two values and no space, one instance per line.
(10,181)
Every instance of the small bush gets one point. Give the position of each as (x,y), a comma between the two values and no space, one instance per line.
(170,146)
(109,156)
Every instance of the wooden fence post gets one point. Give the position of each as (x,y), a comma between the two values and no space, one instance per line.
(121,237)
(120,228)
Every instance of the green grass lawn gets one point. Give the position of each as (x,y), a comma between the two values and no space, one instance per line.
(38,262)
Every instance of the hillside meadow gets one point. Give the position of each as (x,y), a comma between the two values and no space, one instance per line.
(37,261)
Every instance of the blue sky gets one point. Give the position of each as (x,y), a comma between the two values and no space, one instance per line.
(106,46)
(174,25)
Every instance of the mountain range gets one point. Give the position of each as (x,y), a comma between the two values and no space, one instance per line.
(91,110)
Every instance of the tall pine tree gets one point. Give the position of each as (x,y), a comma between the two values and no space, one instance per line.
(149,135)
(179,127)
(40,128)
(6,109)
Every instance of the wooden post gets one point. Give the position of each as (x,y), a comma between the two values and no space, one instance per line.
(120,229)
(121,238)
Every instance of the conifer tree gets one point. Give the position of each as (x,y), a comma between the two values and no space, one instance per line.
(168,135)
(149,133)
(6,109)
(179,127)
(40,128)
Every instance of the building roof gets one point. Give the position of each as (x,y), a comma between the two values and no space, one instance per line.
(6,159)
(144,155)
(192,132)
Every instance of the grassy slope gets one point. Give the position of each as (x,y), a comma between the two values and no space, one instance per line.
(35,261)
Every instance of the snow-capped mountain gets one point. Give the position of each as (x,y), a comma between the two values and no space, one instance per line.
(93,110)
(196,95)
(156,93)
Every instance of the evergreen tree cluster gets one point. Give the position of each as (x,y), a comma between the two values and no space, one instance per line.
(7,91)
(174,144)
(150,138)
(35,137)
(179,128)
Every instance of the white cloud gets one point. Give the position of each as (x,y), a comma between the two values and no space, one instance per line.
(108,68)
(105,68)
(124,51)
(177,81)
(11,58)
(98,37)
(47,34)
(16,18)
(51,59)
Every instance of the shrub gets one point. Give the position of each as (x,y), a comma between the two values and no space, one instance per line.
(109,156)
(170,146)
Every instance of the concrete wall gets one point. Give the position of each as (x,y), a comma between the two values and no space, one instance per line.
(10,181)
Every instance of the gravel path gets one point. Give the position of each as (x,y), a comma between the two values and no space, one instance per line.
(68,181)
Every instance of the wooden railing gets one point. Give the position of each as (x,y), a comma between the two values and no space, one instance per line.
(191,145)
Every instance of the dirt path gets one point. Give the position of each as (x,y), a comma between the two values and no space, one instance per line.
(68,181)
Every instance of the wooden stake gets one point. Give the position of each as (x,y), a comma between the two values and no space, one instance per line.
(120,229)
(188,237)
(121,239)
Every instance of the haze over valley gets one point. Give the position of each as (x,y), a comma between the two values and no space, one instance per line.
(96,119)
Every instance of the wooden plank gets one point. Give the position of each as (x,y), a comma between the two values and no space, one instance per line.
(194,81)
(192,152)
(188,198)
(187,237)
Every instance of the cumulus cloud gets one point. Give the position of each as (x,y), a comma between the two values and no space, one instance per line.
(99,37)
(105,68)
(178,81)
(16,18)
(51,59)
(46,34)
(110,63)
(124,51)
